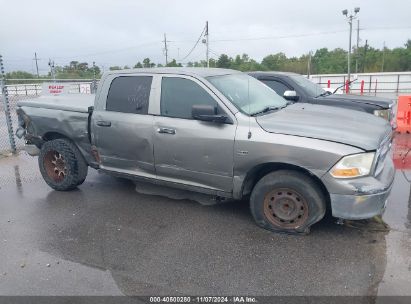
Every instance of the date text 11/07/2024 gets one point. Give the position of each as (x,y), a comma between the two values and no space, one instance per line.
(203,299)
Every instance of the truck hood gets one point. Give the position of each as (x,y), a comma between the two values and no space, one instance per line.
(373,100)
(354,128)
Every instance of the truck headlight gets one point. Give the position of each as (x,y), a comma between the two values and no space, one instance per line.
(353,165)
(386,114)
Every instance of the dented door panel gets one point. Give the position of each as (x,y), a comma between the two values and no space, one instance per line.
(127,144)
(124,141)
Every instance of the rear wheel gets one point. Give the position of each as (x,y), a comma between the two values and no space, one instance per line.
(62,165)
(287,201)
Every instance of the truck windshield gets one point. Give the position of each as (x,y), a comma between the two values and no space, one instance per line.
(310,87)
(248,94)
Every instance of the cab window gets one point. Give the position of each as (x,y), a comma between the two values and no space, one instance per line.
(129,94)
(178,95)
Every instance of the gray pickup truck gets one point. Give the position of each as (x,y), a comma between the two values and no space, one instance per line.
(218,132)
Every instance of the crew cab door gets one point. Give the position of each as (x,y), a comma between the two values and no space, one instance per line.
(122,127)
(189,151)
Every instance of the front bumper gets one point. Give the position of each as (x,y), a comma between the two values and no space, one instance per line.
(360,198)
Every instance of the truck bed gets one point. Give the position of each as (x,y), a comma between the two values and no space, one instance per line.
(70,102)
(64,115)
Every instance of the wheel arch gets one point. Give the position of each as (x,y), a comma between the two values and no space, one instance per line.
(54,135)
(259,171)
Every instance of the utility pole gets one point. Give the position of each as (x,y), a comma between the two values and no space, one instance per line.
(51,65)
(365,55)
(349,52)
(37,66)
(309,65)
(94,84)
(358,45)
(383,57)
(165,48)
(350,18)
(207,45)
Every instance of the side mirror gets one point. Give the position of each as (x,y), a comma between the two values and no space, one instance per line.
(291,95)
(207,113)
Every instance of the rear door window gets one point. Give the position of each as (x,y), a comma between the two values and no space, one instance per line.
(129,94)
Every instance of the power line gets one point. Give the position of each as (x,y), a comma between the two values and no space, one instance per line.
(91,54)
(195,45)
(110,51)
(305,34)
(279,37)
(213,52)
(386,28)
(19,59)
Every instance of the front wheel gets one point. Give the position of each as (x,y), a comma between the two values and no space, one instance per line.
(287,201)
(61,164)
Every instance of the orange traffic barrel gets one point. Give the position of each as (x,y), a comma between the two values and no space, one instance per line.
(404,114)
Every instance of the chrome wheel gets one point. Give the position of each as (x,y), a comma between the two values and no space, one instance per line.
(55,166)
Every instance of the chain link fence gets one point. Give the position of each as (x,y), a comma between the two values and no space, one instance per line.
(7,134)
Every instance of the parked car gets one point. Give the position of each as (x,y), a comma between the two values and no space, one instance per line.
(219,132)
(298,88)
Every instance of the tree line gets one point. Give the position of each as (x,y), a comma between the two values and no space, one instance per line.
(365,59)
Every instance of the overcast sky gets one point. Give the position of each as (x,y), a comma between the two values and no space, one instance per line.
(123,32)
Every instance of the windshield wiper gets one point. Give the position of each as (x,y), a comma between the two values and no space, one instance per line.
(341,86)
(325,93)
(268,109)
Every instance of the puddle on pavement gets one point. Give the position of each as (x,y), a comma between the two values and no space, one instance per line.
(397,276)
(398,215)
(18,170)
(375,224)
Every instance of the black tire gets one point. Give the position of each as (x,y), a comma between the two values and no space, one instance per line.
(287,201)
(83,169)
(62,165)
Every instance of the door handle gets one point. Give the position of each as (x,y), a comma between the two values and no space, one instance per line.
(166,131)
(103,123)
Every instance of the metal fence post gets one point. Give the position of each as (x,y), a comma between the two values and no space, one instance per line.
(94,82)
(7,107)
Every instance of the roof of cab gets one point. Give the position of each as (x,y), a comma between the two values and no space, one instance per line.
(271,73)
(202,72)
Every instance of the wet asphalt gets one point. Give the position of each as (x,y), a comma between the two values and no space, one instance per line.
(105,238)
